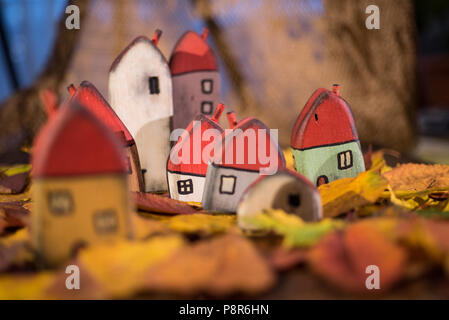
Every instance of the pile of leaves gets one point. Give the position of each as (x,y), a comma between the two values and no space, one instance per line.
(394,218)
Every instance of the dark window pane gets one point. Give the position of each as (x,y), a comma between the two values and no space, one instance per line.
(154,85)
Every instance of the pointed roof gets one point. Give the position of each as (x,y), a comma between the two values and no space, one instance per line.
(192,53)
(74,142)
(325,120)
(195,130)
(88,96)
(140,39)
(240,135)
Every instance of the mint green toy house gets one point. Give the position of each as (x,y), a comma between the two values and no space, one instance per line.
(324,142)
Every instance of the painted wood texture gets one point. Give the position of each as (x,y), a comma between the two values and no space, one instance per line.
(240,163)
(88,96)
(324,140)
(80,187)
(285,190)
(187,164)
(196,80)
(140,92)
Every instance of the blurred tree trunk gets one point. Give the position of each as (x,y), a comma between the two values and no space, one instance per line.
(22,114)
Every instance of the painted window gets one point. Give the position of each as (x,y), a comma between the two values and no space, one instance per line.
(344,160)
(154,85)
(105,221)
(60,202)
(294,200)
(227,184)
(185,186)
(206,107)
(207,86)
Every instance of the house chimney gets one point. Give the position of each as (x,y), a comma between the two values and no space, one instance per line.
(218,112)
(71,88)
(156,36)
(205,34)
(232,120)
(336,89)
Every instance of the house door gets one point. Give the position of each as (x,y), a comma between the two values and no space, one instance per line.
(322,180)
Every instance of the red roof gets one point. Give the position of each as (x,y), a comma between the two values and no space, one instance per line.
(88,96)
(192,53)
(75,142)
(326,119)
(250,160)
(191,133)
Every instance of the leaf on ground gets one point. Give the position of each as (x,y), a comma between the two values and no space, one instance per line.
(116,270)
(161,204)
(295,231)
(12,216)
(343,195)
(145,226)
(25,286)
(342,258)
(199,223)
(222,266)
(15,250)
(14,179)
(430,235)
(283,259)
(14,184)
(289,161)
(410,178)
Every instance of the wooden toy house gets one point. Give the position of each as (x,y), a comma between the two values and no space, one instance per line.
(324,141)
(196,81)
(88,96)
(140,92)
(248,151)
(186,178)
(285,190)
(80,189)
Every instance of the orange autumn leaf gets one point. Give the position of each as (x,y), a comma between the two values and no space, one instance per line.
(342,258)
(219,267)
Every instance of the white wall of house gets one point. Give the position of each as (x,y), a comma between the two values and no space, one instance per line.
(147,116)
(196,186)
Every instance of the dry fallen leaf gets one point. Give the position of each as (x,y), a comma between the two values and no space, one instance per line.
(116,270)
(199,223)
(25,286)
(295,231)
(343,195)
(411,178)
(160,204)
(342,258)
(222,266)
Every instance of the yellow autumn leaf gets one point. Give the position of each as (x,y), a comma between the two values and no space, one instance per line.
(198,223)
(345,194)
(120,266)
(25,287)
(289,161)
(295,231)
